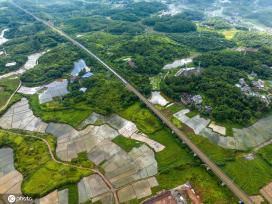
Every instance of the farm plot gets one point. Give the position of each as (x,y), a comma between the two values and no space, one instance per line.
(55,197)
(242,139)
(91,187)
(10,178)
(20,116)
(125,128)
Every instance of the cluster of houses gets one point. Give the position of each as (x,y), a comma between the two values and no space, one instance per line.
(195,101)
(183,194)
(256,89)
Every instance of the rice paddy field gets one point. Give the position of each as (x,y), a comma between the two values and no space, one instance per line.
(41,174)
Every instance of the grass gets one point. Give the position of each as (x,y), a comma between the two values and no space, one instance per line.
(203,182)
(41,174)
(145,120)
(218,154)
(155,82)
(192,114)
(176,107)
(7,87)
(176,164)
(126,144)
(251,176)
(236,167)
(176,122)
(176,159)
(229,34)
(56,112)
(73,194)
(82,160)
(266,154)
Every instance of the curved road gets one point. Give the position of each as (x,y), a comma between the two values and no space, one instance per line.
(7,103)
(106,181)
(203,157)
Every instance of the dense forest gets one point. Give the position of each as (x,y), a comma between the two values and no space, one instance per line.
(259,62)
(216,85)
(52,65)
(98,95)
(150,53)
(203,41)
(173,24)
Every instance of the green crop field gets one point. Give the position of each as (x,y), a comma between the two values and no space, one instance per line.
(57,112)
(126,144)
(176,164)
(7,87)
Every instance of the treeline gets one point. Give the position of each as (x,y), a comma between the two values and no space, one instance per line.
(19,59)
(133,11)
(25,38)
(202,41)
(90,24)
(150,53)
(259,62)
(108,47)
(253,39)
(52,65)
(105,94)
(170,24)
(216,86)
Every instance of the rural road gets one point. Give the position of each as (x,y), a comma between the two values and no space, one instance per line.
(7,103)
(106,181)
(203,157)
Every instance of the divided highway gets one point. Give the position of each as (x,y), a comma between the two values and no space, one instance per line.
(203,157)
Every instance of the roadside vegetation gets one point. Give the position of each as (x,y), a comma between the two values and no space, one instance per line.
(137,42)
(7,88)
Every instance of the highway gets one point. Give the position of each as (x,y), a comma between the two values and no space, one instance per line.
(203,157)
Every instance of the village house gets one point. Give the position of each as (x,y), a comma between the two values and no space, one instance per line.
(186,98)
(197,99)
(258,84)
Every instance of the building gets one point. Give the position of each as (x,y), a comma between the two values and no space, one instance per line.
(246,89)
(258,84)
(242,82)
(265,99)
(186,98)
(167,197)
(197,99)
